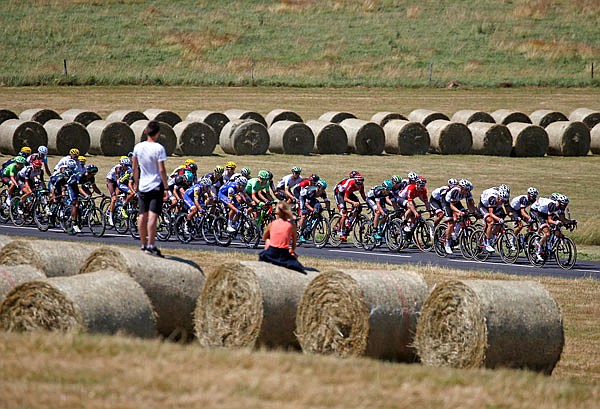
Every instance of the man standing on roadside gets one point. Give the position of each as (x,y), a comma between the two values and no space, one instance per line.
(150,180)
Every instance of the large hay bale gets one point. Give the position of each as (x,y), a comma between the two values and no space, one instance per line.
(330,138)
(382,118)
(282,115)
(64,135)
(126,116)
(250,303)
(361,313)
(39,115)
(449,138)
(110,138)
(595,140)
(16,133)
(544,117)
(567,138)
(4,240)
(291,138)
(507,116)
(426,116)
(336,117)
(80,115)
(244,137)
(215,119)
(6,114)
(406,137)
(106,302)
(160,115)
(590,117)
(490,139)
(195,138)
(364,137)
(234,114)
(485,323)
(172,285)
(528,140)
(53,258)
(468,116)
(12,276)
(167,137)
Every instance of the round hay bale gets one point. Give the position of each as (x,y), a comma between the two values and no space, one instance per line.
(336,117)
(172,285)
(12,276)
(195,138)
(544,117)
(595,140)
(244,137)
(382,118)
(110,138)
(449,138)
(361,313)
(490,139)
(106,302)
(406,137)
(160,115)
(233,114)
(126,116)
(485,323)
(39,115)
(16,133)
(80,115)
(4,240)
(167,137)
(590,117)
(53,258)
(426,116)
(64,135)
(567,138)
(250,303)
(215,119)
(364,137)
(6,114)
(330,138)
(468,116)
(282,115)
(291,138)
(528,140)
(507,116)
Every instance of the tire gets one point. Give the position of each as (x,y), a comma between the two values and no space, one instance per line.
(164,226)
(565,253)
(477,246)
(96,222)
(120,223)
(4,208)
(222,237)
(321,232)
(366,235)
(334,237)
(439,240)
(65,219)
(357,231)
(394,237)
(532,245)
(250,233)
(508,255)
(208,229)
(16,218)
(40,216)
(464,243)
(423,235)
(132,224)
(183,229)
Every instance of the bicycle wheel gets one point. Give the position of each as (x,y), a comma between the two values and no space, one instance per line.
(565,253)
(41,218)
(478,247)
(357,231)
(508,247)
(393,235)
(120,222)
(208,233)
(423,235)
(532,248)
(132,224)
(321,232)
(366,235)
(96,222)
(4,207)
(65,219)
(250,233)
(183,229)
(16,212)
(439,240)
(163,226)
(222,237)
(464,242)
(336,231)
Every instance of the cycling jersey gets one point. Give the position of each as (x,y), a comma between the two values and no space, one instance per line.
(193,194)
(439,193)
(299,186)
(254,186)
(309,195)
(38,156)
(455,194)
(545,206)
(58,181)
(62,163)
(378,192)
(520,202)
(289,181)
(115,172)
(349,186)
(11,170)
(227,193)
(412,192)
(490,198)
(217,182)
(28,173)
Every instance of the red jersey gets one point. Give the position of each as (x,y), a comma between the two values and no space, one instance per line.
(411,192)
(349,186)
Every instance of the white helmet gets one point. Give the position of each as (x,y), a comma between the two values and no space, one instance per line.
(554,196)
(452,182)
(533,192)
(412,177)
(504,194)
(504,187)
(242,181)
(563,200)
(465,184)
(42,150)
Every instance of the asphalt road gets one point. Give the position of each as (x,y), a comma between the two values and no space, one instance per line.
(583,269)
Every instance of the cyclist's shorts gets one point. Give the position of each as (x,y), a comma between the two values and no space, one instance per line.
(226,200)
(436,205)
(542,218)
(124,188)
(372,203)
(448,210)
(314,203)
(189,202)
(514,213)
(339,199)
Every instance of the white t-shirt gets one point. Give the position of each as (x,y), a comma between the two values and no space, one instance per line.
(148,155)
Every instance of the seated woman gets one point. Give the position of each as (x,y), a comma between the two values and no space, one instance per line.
(280,240)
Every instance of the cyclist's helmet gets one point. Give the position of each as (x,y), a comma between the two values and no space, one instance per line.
(396,179)
(26,149)
(242,181)
(452,182)
(192,167)
(270,175)
(554,196)
(36,163)
(72,164)
(189,162)
(563,200)
(504,194)
(21,160)
(189,176)
(23,155)
(353,173)
(296,169)
(412,177)
(359,179)
(263,174)
(314,177)
(230,165)
(205,181)
(245,172)
(533,192)
(130,155)
(42,150)
(322,184)
(92,169)
(421,181)
(82,159)
(125,161)
(465,184)
(387,184)
(504,187)
(219,169)
(74,151)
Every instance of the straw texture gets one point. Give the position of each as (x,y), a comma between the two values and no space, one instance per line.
(336,117)
(291,138)
(6,114)
(16,133)
(507,116)
(110,138)
(544,117)
(364,138)
(64,135)
(426,116)
(330,138)
(406,137)
(244,137)
(595,140)
(80,115)
(382,118)
(40,115)
(528,140)
(567,138)
(590,117)
(12,276)
(126,116)
(468,116)
(449,138)
(490,139)
(161,115)
(282,115)
(167,137)
(233,114)
(215,119)
(195,138)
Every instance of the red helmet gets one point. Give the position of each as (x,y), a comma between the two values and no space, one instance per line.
(421,181)
(36,163)
(353,173)
(314,177)
(359,178)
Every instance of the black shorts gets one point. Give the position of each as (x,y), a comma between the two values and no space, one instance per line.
(151,201)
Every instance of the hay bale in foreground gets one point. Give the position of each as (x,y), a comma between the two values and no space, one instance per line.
(64,135)
(330,138)
(449,138)
(215,119)
(234,114)
(544,117)
(528,140)
(244,137)
(16,133)
(106,302)
(406,137)
(490,139)
(336,116)
(426,116)
(167,137)
(291,138)
(567,138)
(282,115)
(468,116)
(4,240)
(361,313)
(12,276)
(80,115)
(595,140)
(250,303)
(110,138)
(39,115)
(6,114)
(173,286)
(126,116)
(364,137)
(161,115)
(485,323)
(195,138)
(590,117)
(53,258)
(507,116)
(382,118)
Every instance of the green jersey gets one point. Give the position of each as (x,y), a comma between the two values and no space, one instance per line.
(254,186)
(11,170)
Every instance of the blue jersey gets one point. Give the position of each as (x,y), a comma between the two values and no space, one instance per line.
(228,189)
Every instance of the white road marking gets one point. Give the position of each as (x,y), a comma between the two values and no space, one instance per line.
(379,254)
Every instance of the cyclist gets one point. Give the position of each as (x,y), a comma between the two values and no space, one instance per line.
(9,176)
(178,185)
(58,181)
(517,207)
(216,178)
(229,171)
(29,177)
(24,152)
(81,160)
(197,196)
(245,172)
(411,192)
(344,193)
(73,154)
(309,181)
(126,186)
(377,197)
(259,189)
(112,183)
(490,208)
(41,154)
(283,191)
(232,195)
(78,186)
(309,202)
(548,212)
(453,207)
(437,202)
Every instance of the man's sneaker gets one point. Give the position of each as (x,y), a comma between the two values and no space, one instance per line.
(448,248)
(539,257)
(230,228)
(110,221)
(47,210)
(154,251)
(76,228)
(489,248)
(376,236)
(511,244)
(302,240)
(8,201)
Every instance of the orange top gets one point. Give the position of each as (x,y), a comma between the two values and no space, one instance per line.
(280,233)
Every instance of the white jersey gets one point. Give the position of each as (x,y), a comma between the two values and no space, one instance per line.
(62,163)
(545,205)
(455,195)
(439,193)
(491,197)
(289,181)
(148,155)
(520,202)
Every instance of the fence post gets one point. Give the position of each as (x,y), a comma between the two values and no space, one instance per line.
(252,73)
(65,67)
(430,72)
(592,70)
